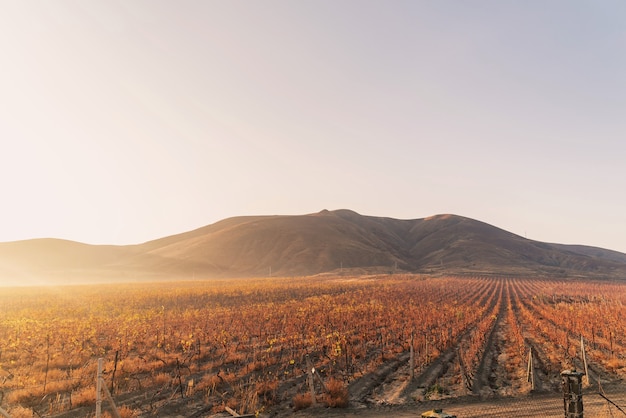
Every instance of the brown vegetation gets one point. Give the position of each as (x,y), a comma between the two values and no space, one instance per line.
(244,343)
(302,401)
(336,395)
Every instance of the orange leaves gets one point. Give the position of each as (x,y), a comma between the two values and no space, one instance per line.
(257,332)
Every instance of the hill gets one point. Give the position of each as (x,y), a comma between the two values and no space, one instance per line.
(328,241)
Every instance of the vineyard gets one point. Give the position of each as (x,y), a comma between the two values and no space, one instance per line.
(196,348)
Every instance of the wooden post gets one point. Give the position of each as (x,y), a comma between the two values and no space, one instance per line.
(530,375)
(114,369)
(532,371)
(102,387)
(163,339)
(572,393)
(582,350)
(99,389)
(45,379)
(180,380)
(310,371)
(412,360)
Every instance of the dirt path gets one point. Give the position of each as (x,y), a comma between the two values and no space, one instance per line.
(481,384)
(390,384)
(362,388)
(544,405)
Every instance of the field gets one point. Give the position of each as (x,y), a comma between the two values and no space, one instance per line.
(195,348)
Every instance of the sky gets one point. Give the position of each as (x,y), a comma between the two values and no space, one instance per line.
(126,121)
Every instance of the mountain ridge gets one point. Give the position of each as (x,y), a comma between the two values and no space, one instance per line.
(300,245)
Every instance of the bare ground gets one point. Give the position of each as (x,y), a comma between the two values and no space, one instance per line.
(545,405)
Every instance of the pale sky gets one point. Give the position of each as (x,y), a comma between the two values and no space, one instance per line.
(125,121)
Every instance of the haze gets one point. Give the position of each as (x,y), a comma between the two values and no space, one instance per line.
(127,121)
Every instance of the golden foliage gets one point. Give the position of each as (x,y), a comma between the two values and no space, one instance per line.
(255,334)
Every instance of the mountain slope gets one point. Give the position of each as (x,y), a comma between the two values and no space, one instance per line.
(312,244)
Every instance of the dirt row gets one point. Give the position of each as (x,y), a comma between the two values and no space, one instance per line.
(499,373)
(499,370)
(390,384)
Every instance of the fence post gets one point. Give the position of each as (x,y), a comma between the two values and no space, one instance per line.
(572,393)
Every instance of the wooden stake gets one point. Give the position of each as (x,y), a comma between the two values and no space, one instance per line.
(114,369)
(412,360)
(99,389)
(180,380)
(528,367)
(530,375)
(45,379)
(532,371)
(582,350)
(163,339)
(310,371)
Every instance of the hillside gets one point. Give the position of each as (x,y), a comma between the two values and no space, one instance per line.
(328,241)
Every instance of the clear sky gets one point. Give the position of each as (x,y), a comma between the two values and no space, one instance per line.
(125,121)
